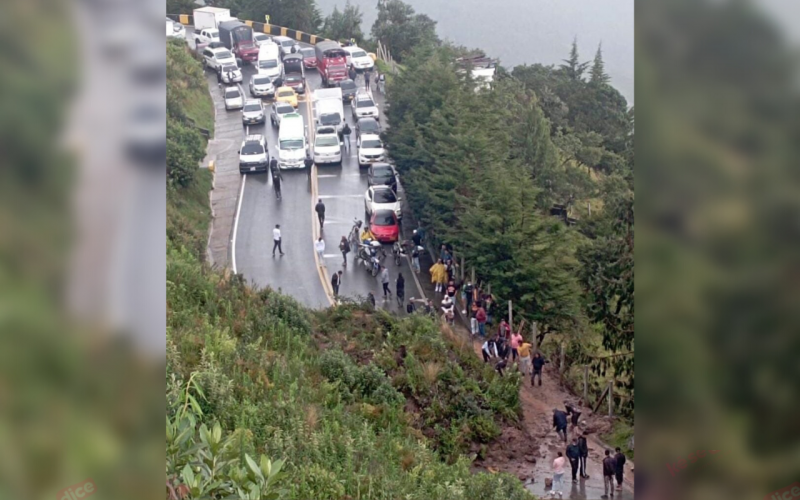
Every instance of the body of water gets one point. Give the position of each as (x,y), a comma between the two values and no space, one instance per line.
(531,31)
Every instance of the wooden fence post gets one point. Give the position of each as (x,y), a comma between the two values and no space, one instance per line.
(472,275)
(586,385)
(462,268)
(561,364)
(611,398)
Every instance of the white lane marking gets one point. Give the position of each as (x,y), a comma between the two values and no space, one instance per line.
(236,224)
(323,176)
(328,196)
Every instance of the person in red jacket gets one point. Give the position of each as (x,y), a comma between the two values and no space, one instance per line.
(481,317)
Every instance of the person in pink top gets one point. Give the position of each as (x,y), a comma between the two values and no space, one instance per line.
(558,475)
(516,341)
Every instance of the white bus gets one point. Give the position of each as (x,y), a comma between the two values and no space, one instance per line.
(292,145)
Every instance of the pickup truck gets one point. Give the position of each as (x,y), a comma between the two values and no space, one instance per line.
(238,38)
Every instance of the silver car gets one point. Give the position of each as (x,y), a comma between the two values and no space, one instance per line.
(261,86)
(363,105)
(253,112)
(234,98)
(278,110)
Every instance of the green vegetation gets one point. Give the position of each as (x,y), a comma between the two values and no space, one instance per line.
(345,24)
(483,168)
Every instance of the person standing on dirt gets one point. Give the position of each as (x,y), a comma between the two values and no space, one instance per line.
(609,467)
(489,350)
(524,351)
(468,290)
(558,475)
(480,315)
(538,363)
(516,341)
(573,454)
(573,410)
(584,449)
(619,466)
(560,423)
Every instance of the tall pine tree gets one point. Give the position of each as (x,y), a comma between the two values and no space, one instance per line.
(598,72)
(573,67)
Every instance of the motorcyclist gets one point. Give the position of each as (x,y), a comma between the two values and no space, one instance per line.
(367,235)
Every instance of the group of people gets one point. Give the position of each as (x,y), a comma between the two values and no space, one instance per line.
(380,79)
(507,344)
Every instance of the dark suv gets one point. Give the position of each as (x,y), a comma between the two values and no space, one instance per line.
(382,174)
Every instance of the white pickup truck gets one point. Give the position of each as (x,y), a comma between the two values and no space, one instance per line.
(206,22)
(328,108)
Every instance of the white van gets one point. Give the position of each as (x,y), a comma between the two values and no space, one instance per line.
(292,146)
(269,60)
(359,58)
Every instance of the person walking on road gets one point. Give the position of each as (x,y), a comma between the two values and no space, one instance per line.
(276,177)
(538,363)
(584,449)
(524,351)
(385,282)
(344,247)
(366,79)
(415,258)
(346,134)
(468,291)
(609,467)
(560,423)
(572,409)
(382,83)
(417,238)
(438,276)
(276,239)
(351,73)
(480,315)
(309,164)
(320,209)
(319,246)
(573,454)
(619,466)
(400,289)
(558,475)
(336,281)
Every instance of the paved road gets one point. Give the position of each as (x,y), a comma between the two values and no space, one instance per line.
(341,189)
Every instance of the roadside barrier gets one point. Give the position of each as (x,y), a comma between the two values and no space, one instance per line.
(269,29)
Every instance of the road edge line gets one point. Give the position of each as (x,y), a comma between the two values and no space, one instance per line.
(236,224)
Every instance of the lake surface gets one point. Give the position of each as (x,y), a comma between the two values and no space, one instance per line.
(531,31)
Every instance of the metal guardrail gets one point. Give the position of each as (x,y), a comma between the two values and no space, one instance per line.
(269,29)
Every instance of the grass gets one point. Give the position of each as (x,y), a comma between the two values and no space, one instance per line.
(620,435)
(200,108)
(189,214)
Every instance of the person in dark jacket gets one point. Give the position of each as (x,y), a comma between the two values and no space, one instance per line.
(609,466)
(560,423)
(401,289)
(351,73)
(320,209)
(336,281)
(573,454)
(572,410)
(619,466)
(538,363)
(346,134)
(584,449)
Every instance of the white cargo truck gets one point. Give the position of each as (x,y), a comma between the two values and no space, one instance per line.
(328,108)
(210,17)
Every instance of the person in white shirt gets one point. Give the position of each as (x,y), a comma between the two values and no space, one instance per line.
(319,246)
(558,475)
(276,239)
(489,350)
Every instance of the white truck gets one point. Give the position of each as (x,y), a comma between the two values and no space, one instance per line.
(206,24)
(328,108)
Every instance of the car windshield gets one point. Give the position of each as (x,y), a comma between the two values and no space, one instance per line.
(232,94)
(371,144)
(252,107)
(286,108)
(308,53)
(224,54)
(252,148)
(287,43)
(368,126)
(384,218)
(327,140)
(364,103)
(385,196)
(292,144)
(359,53)
(286,93)
(382,171)
(330,119)
(268,63)
(261,80)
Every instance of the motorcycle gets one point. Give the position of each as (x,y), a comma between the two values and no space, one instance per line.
(399,251)
(368,254)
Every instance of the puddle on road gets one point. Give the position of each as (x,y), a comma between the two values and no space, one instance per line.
(586,489)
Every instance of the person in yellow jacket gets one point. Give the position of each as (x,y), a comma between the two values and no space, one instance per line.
(438,275)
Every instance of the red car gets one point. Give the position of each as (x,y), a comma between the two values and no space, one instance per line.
(309,57)
(384,226)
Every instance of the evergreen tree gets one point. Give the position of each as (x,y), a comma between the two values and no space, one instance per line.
(344,25)
(598,73)
(573,67)
(401,30)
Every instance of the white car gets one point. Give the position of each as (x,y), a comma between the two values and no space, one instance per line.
(382,198)
(261,38)
(327,146)
(234,98)
(363,105)
(206,36)
(286,44)
(261,86)
(217,57)
(359,58)
(253,112)
(253,154)
(370,149)
(230,73)
(175,30)
(278,110)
